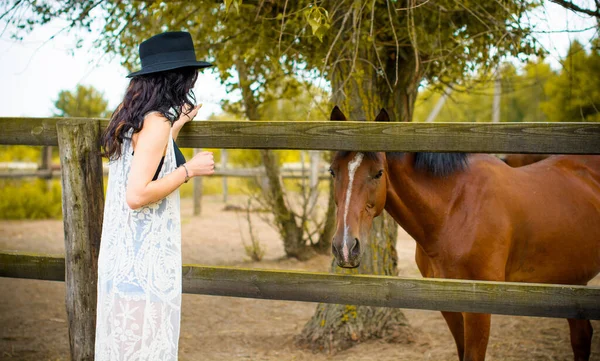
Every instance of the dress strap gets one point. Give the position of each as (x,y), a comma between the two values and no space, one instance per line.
(150,112)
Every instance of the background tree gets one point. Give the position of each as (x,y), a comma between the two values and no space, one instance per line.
(574,95)
(521,96)
(523,93)
(373,53)
(84,101)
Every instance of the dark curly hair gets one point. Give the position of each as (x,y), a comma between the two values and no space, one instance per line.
(166,92)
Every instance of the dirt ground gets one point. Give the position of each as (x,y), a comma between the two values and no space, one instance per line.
(33,318)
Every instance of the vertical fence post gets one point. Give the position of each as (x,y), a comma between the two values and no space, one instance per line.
(497,99)
(439,105)
(82,204)
(46,161)
(313,180)
(224,167)
(197,194)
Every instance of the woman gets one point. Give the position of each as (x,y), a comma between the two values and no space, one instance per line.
(139,266)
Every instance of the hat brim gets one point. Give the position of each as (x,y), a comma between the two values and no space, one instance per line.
(166,66)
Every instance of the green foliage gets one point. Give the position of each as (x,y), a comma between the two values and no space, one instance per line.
(521,97)
(214,185)
(574,95)
(23,199)
(462,106)
(366,41)
(236,4)
(38,199)
(85,101)
(318,19)
(534,93)
(20,153)
(523,93)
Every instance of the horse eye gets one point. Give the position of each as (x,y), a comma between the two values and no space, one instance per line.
(331,172)
(378,175)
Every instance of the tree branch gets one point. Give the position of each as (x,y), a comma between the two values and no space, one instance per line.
(575,8)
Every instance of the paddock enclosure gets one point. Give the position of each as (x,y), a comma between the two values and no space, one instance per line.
(83,204)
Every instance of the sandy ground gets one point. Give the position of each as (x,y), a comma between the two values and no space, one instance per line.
(33,319)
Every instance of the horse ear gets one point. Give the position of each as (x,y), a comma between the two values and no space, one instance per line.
(383,116)
(336,114)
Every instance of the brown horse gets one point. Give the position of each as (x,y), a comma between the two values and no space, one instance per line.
(474,217)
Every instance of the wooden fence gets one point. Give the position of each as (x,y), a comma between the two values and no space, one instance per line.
(83,204)
(255,172)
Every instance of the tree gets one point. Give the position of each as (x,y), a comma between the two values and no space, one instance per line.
(85,102)
(570,5)
(373,53)
(574,95)
(522,95)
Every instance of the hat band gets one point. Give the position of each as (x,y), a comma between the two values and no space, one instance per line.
(170,57)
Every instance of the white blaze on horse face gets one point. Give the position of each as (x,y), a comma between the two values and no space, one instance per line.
(352,167)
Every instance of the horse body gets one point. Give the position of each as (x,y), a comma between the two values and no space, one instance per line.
(520,160)
(474,217)
(492,222)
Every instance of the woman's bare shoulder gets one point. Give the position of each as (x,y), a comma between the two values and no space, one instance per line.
(157,117)
(156,129)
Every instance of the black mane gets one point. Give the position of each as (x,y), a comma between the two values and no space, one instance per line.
(436,164)
(441,164)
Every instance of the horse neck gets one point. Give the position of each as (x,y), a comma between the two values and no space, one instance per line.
(418,201)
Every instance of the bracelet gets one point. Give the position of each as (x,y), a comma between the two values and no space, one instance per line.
(187,175)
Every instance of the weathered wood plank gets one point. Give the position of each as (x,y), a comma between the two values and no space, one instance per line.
(430,294)
(42,173)
(521,299)
(229,172)
(34,131)
(32,266)
(559,138)
(83,206)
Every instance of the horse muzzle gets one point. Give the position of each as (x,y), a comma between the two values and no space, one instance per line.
(347,255)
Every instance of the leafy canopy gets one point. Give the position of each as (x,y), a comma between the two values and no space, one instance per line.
(85,101)
(306,39)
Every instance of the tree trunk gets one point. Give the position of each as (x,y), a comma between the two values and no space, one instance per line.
(361,92)
(337,327)
(293,242)
(323,246)
(285,219)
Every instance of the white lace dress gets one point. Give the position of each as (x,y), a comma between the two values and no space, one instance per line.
(139,271)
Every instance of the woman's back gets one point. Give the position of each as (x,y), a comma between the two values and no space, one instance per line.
(139,270)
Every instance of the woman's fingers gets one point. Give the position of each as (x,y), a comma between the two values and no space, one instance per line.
(194,111)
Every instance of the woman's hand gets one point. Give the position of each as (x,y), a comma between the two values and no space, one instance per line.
(186,116)
(202,164)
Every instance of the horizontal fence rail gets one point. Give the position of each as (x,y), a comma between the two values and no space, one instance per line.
(522,299)
(229,172)
(559,138)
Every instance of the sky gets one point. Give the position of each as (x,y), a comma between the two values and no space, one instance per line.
(33,71)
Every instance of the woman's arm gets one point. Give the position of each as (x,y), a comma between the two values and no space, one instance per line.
(149,149)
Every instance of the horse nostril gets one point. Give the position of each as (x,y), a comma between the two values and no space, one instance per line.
(355,251)
(334,250)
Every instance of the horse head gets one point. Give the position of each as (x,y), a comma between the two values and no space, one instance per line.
(360,181)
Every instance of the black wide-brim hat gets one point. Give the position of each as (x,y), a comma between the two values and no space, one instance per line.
(168,51)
